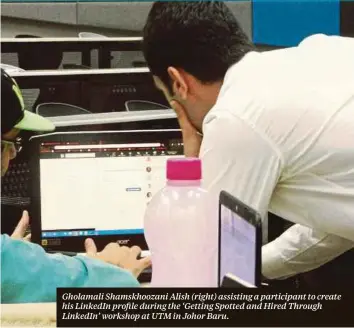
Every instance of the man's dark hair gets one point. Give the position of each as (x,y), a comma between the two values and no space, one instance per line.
(201,37)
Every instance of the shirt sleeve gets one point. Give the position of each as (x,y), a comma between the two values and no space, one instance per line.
(300,249)
(29,274)
(241,161)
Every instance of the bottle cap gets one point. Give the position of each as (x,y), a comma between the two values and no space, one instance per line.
(184,169)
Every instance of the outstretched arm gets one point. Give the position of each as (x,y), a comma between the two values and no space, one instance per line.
(29,274)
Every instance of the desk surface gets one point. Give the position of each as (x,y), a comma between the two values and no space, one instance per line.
(110,76)
(10,45)
(72,39)
(111,118)
(28,315)
(88,72)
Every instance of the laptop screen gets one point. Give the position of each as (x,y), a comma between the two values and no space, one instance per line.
(238,242)
(99,186)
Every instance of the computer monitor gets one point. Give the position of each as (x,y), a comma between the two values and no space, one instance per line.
(96,184)
(15,193)
(240,243)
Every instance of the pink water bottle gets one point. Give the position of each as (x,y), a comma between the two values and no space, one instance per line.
(181,229)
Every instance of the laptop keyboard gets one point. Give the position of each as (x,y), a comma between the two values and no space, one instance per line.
(15,185)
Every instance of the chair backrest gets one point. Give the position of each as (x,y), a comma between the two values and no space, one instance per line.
(10,68)
(139,105)
(30,97)
(75,66)
(94,53)
(91,35)
(39,57)
(59,109)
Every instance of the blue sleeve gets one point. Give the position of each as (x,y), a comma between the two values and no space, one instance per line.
(29,274)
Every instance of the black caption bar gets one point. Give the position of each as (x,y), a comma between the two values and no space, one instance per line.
(151,307)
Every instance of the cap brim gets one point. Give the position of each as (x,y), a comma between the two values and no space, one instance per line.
(34,122)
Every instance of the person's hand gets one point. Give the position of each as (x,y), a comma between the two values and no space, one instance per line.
(121,256)
(191,138)
(21,228)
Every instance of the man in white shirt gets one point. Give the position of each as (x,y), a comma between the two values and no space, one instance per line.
(275,129)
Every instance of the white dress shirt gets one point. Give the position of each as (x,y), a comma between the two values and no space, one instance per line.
(281,139)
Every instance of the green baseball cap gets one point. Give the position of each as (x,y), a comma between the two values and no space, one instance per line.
(13,113)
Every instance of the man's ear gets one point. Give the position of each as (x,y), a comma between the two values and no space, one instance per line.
(179,83)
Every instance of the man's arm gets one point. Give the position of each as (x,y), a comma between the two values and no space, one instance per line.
(237,159)
(301,249)
(29,274)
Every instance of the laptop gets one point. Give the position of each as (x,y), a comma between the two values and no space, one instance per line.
(97,185)
(240,244)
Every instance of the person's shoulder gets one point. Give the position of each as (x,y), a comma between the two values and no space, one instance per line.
(316,40)
(241,93)
(256,74)
(244,70)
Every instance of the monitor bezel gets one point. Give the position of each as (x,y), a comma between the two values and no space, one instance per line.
(76,244)
(251,216)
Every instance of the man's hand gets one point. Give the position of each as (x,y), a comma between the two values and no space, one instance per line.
(21,228)
(191,138)
(120,256)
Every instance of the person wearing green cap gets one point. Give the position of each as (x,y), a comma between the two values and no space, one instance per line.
(28,273)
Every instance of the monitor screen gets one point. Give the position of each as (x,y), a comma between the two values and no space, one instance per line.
(238,244)
(99,187)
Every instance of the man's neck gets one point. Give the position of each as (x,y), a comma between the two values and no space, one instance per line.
(211,93)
